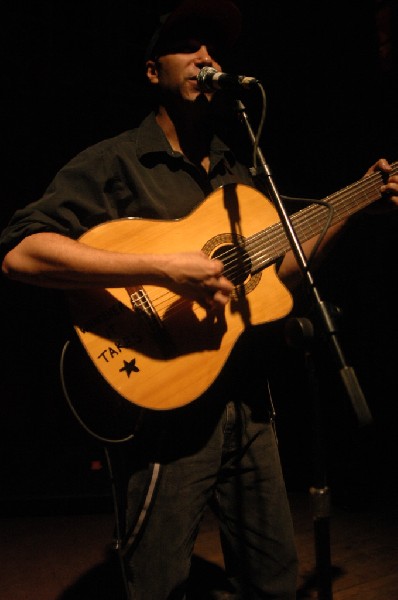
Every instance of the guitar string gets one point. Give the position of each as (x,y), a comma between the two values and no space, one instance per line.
(337,200)
(277,239)
(279,235)
(304,219)
(306,223)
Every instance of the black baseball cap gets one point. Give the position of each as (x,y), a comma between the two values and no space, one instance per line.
(220,20)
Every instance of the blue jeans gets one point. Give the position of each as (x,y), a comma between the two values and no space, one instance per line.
(182,460)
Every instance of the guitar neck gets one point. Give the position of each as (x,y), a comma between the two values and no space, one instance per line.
(311,221)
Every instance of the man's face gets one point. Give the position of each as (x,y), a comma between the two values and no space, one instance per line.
(176,70)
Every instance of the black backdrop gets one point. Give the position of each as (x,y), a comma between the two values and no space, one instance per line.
(74,75)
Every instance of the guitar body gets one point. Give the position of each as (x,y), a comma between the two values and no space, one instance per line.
(154,348)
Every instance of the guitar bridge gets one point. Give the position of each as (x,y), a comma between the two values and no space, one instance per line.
(144,308)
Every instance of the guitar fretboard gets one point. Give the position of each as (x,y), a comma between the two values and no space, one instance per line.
(266,246)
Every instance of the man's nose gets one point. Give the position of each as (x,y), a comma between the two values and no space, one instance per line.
(203,58)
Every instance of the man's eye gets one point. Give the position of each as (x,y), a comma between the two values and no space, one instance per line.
(185,47)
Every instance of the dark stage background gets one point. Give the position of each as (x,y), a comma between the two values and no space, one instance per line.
(73,76)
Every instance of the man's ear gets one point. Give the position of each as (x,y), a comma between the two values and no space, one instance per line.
(152,71)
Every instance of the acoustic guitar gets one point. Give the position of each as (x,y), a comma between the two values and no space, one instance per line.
(161,351)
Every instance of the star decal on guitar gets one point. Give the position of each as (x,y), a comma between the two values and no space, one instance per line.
(129,367)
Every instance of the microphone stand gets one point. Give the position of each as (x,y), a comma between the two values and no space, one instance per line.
(319,492)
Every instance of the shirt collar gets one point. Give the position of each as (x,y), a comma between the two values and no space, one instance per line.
(152,139)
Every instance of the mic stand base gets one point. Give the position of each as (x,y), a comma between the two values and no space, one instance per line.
(320,502)
(299,334)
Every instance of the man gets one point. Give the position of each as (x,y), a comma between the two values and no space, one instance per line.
(220,448)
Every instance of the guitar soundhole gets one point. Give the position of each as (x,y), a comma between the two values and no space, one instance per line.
(237,262)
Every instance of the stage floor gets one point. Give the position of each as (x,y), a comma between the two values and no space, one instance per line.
(69,556)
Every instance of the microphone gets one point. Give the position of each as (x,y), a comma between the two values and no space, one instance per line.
(210,79)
